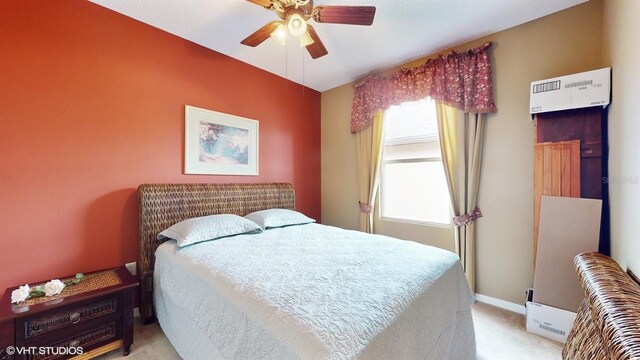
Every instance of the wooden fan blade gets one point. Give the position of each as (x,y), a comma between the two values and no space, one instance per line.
(263,3)
(352,15)
(316,49)
(261,35)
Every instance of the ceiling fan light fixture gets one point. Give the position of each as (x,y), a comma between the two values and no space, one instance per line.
(306,39)
(294,19)
(296,24)
(280,34)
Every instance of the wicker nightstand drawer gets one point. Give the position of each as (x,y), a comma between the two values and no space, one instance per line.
(101,335)
(32,328)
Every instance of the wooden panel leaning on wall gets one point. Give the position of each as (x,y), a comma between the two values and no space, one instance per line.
(556,173)
(589,126)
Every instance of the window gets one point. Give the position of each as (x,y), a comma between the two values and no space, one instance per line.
(413,186)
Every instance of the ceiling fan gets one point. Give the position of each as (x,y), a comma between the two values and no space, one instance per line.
(295,15)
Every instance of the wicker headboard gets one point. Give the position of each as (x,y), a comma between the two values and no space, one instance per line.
(162,205)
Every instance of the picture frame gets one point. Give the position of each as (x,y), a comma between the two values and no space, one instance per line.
(220,144)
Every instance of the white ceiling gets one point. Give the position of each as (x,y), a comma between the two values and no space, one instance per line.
(403,30)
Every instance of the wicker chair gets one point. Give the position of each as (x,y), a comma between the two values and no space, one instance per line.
(607,325)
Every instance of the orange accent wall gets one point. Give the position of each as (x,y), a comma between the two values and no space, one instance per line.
(92,105)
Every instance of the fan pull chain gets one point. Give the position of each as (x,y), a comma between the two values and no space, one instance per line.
(303,57)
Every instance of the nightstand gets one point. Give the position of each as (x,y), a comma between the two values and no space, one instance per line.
(85,320)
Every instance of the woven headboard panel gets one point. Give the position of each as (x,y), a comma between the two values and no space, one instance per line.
(162,205)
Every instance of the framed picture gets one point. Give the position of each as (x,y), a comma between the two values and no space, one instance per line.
(220,144)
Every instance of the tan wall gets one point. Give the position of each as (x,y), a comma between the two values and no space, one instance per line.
(622,52)
(339,171)
(559,44)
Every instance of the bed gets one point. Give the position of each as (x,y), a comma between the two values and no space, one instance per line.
(299,292)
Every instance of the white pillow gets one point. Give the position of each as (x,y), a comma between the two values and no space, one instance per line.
(273,218)
(206,228)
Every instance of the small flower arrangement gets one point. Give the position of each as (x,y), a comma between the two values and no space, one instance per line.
(53,287)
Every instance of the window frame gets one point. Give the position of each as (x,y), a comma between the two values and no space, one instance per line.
(403,220)
(417,160)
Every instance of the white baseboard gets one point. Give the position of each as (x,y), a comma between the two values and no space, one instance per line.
(520,309)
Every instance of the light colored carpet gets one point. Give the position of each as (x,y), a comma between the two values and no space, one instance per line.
(500,334)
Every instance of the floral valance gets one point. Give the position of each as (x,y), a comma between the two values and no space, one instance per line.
(462,80)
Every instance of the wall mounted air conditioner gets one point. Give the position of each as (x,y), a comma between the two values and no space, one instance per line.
(591,88)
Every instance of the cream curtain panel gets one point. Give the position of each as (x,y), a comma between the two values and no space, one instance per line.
(461,142)
(369,155)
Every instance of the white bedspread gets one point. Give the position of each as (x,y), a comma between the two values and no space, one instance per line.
(313,292)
